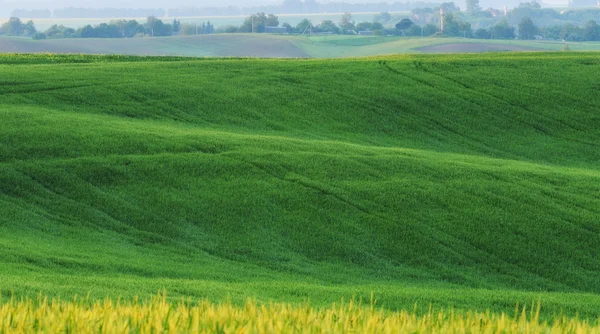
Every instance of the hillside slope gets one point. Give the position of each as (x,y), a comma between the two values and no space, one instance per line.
(278,46)
(430,171)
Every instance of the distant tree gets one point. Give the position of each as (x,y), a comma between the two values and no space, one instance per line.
(131,28)
(188,29)
(231,29)
(502,30)
(13,27)
(302,25)
(38,36)
(156,27)
(272,21)
(176,25)
(451,27)
(571,32)
(473,7)
(86,32)
(527,30)
(464,29)
(404,24)
(429,29)
(449,7)
(210,28)
(254,23)
(552,32)
(591,31)
(482,33)
(364,26)
(28,29)
(346,24)
(414,30)
(289,28)
(383,17)
(329,26)
(104,30)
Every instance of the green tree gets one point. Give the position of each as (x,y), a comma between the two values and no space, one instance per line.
(289,28)
(464,29)
(451,27)
(449,7)
(188,29)
(527,30)
(86,32)
(472,7)
(29,29)
(347,24)
(329,26)
(60,31)
(156,27)
(176,25)
(13,27)
(502,30)
(383,17)
(482,33)
(272,21)
(429,29)
(254,23)
(591,31)
(571,32)
(364,26)
(302,25)
(403,25)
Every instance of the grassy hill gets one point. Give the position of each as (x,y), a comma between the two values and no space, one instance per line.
(465,180)
(279,46)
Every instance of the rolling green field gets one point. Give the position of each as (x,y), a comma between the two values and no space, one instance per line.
(466,181)
(280,46)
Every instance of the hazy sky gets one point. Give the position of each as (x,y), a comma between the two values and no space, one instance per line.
(6,6)
(132,4)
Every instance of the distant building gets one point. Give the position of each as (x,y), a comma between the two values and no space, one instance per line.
(365,33)
(275,30)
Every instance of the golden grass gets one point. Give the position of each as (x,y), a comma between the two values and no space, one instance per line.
(162,316)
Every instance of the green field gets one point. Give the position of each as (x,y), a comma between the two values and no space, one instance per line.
(467,181)
(280,46)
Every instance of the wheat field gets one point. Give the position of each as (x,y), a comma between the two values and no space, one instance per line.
(160,315)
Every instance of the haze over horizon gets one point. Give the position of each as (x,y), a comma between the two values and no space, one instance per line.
(6,6)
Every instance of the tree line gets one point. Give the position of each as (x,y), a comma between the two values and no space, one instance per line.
(114,29)
(422,22)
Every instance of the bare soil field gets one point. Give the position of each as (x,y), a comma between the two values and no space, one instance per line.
(194,46)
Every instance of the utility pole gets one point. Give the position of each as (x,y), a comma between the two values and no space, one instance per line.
(442,20)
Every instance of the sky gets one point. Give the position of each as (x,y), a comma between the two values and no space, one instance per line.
(6,6)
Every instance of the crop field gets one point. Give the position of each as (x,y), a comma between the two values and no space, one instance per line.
(464,183)
(159,316)
(279,46)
